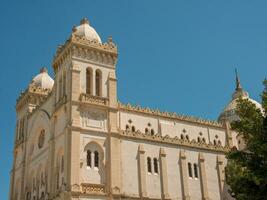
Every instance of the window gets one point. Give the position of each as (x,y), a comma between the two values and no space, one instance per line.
(182,136)
(149,169)
(152,132)
(60,88)
(195,170)
(203,140)
(190,170)
(214,142)
(187,137)
(64,83)
(155,162)
(146,130)
(219,142)
(127,127)
(62,164)
(98,83)
(96,159)
(198,139)
(133,129)
(89,81)
(41,139)
(89,158)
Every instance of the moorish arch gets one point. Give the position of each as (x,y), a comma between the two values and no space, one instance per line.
(94,163)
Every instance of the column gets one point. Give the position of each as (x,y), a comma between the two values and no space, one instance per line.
(184,176)
(163,174)
(142,171)
(203,179)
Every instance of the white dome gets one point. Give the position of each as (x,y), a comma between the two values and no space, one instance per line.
(229,113)
(43,80)
(84,29)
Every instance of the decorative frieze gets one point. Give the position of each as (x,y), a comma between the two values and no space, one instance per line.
(173,140)
(172,116)
(93,119)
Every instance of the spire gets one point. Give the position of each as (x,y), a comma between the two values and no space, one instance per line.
(238,85)
(239,92)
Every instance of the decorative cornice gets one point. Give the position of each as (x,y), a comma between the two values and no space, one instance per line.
(80,47)
(172,116)
(174,141)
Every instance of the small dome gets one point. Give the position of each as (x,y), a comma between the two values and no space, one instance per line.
(43,80)
(229,113)
(84,29)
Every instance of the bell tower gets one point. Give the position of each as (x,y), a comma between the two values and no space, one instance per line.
(85,78)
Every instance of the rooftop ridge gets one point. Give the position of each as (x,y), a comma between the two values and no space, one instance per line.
(171,115)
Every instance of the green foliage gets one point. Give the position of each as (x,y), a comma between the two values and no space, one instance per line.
(246,171)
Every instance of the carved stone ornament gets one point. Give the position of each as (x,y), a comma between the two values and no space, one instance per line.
(41,139)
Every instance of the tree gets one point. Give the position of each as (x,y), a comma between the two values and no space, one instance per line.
(246,171)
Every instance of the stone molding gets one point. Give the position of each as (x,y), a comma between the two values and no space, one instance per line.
(171,116)
(173,141)
(80,47)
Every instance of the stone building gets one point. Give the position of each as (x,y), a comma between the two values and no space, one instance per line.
(74,140)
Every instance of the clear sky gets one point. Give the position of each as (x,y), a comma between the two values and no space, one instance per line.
(175,55)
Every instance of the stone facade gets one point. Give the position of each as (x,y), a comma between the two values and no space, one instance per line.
(74,140)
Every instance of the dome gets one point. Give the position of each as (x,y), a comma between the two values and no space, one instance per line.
(84,29)
(229,111)
(43,80)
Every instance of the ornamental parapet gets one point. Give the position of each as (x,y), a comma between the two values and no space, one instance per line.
(95,100)
(80,47)
(88,188)
(172,116)
(173,140)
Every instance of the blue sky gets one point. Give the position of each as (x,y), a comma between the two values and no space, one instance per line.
(173,55)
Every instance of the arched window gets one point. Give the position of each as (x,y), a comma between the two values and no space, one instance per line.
(190,170)
(155,162)
(152,132)
(89,158)
(133,129)
(149,168)
(146,130)
(182,136)
(195,170)
(96,159)
(60,88)
(98,83)
(198,139)
(89,81)
(64,83)
(214,142)
(203,140)
(187,137)
(62,164)
(219,142)
(127,127)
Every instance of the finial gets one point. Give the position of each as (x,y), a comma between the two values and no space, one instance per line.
(238,85)
(74,29)
(84,21)
(110,39)
(43,70)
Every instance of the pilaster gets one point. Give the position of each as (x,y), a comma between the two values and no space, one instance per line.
(184,177)
(229,139)
(142,171)
(164,175)
(220,173)
(203,178)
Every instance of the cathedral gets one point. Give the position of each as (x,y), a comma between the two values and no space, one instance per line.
(74,140)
